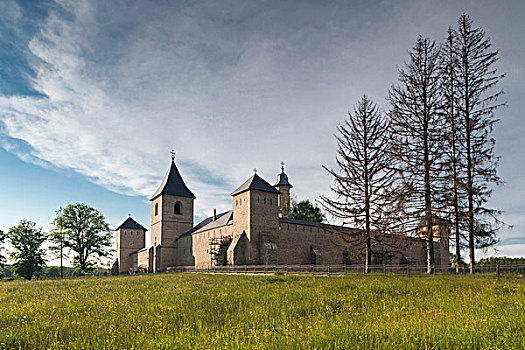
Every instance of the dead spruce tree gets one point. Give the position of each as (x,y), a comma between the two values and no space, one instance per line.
(449,71)
(477,102)
(364,175)
(417,127)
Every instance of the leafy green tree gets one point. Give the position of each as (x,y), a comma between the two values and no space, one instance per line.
(2,259)
(57,239)
(53,272)
(304,210)
(28,254)
(86,233)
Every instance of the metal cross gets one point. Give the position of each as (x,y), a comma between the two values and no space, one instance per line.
(282,166)
(255,170)
(129,215)
(173,154)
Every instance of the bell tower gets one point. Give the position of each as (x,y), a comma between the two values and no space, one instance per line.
(284,187)
(171,215)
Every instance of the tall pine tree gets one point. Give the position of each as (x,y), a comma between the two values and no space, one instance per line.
(477,102)
(418,142)
(455,170)
(363,180)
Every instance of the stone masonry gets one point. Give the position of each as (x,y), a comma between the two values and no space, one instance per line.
(256,232)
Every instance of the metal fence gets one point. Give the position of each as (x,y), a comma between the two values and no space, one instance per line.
(496,270)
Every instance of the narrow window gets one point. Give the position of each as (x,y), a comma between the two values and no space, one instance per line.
(178,208)
(156,209)
(257,199)
(270,201)
(264,200)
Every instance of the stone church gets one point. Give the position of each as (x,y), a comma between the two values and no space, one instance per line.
(254,232)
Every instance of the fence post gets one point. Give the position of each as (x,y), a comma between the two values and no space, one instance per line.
(384,268)
(408,269)
(497,269)
(329,269)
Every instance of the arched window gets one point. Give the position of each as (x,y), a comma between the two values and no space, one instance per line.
(156,209)
(264,200)
(178,208)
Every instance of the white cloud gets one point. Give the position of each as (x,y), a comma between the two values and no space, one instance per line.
(510,251)
(229,86)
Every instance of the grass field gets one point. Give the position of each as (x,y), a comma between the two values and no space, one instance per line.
(199,311)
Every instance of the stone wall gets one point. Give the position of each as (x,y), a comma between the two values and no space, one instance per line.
(201,243)
(143,259)
(295,243)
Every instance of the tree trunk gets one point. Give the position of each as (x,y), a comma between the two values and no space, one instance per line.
(368,254)
(455,184)
(469,175)
(428,198)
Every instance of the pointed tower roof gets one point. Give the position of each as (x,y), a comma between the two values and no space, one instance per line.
(173,184)
(282,178)
(131,224)
(255,183)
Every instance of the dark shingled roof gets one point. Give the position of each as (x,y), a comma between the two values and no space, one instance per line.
(255,183)
(222,219)
(173,184)
(282,179)
(286,220)
(131,224)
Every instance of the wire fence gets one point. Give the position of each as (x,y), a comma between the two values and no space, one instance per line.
(496,271)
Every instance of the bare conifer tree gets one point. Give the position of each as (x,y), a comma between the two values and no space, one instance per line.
(477,103)
(417,127)
(455,162)
(364,175)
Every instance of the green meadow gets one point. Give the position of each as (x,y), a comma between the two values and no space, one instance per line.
(200,311)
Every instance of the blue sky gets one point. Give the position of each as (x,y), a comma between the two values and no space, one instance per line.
(94,95)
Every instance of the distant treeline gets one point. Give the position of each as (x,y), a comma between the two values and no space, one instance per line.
(504,261)
(54,272)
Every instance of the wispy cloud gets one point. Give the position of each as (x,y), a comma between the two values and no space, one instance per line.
(230,86)
(203,81)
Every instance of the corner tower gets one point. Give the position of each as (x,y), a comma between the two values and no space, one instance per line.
(171,211)
(284,187)
(130,237)
(255,213)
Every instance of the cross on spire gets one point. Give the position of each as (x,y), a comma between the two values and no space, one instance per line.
(282,166)
(255,170)
(173,154)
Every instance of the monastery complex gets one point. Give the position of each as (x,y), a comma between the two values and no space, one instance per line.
(254,232)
